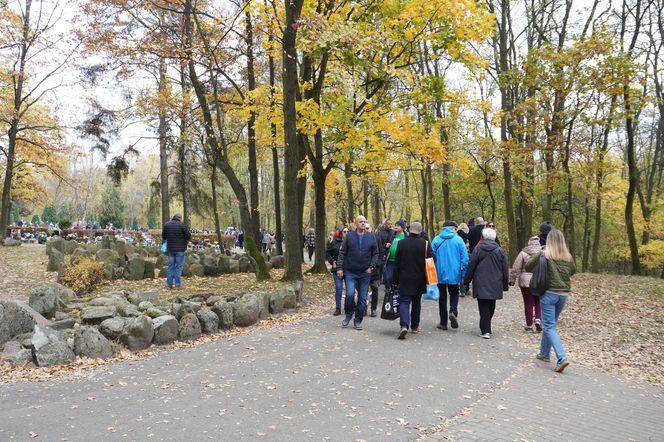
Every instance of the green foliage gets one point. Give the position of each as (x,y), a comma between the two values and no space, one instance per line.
(82,275)
(152,220)
(49,214)
(64,222)
(15,214)
(35,219)
(111,209)
(134,223)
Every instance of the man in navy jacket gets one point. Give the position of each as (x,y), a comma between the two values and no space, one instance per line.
(177,234)
(358,257)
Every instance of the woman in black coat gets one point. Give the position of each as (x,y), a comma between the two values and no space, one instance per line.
(331,255)
(489,271)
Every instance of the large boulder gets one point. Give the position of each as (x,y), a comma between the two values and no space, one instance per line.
(245,265)
(233,266)
(149,270)
(137,298)
(107,242)
(162,260)
(165,329)
(179,309)
(138,333)
(135,268)
(55,243)
(90,343)
(277,302)
(264,299)
(46,299)
(70,246)
(211,265)
(224,311)
(128,310)
(55,261)
(277,262)
(112,327)
(246,310)
(10,242)
(190,327)
(15,353)
(63,324)
(16,318)
(290,298)
(225,264)
(298,286)
(209,321)
(196,269)
(97,314)
(108,257)
(81,251)
(121,247)
(154,312)
(48,348)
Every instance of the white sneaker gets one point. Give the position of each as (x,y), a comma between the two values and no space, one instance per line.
(485,335)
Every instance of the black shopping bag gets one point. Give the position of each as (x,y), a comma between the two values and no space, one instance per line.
(390,310)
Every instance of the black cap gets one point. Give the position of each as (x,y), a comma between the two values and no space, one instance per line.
(450,223)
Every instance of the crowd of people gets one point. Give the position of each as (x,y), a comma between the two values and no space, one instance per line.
(468,260)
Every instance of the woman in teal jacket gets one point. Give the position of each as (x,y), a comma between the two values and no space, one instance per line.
(451,265)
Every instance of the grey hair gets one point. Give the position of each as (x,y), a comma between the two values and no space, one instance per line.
(416,227)
(489,234)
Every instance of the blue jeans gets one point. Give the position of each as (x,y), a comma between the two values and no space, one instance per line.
(552,305)
(338,288)
(361,281)
(175,264)
(388,274)
(410,318)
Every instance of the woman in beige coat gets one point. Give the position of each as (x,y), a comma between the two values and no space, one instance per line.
(530,302)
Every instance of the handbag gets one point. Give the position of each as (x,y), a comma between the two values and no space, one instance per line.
(432,293)
(390,310)
(430,267)
(539,282)
(164,248)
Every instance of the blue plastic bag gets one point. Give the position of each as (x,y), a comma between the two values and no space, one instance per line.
(164,248)
(432,293)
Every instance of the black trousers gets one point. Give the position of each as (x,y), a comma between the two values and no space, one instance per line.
(487,307)
(374,293)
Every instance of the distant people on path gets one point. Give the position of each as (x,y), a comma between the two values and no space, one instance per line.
(489,272)
(560,268)
(358,257)
(475,233)
(310,242)
(374,281)
(492,225)
(177,235)
(451,265)
(240,239)
(462,231)
(265,241)
(390,250)
(332,256)
(410,275)
(531,302)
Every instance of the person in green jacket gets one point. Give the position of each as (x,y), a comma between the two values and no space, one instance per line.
(560,267)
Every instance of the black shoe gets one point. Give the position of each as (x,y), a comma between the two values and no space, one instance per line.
(453,321)
(346,320)
(337,312)
(373,313)
(358,325)
(441,326)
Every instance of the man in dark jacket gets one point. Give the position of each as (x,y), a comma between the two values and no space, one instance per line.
(177,235)
(475,233)
(410,274)
(358,257)
(489,271)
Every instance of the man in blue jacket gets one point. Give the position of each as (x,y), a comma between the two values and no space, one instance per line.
(451,266)
(358,256)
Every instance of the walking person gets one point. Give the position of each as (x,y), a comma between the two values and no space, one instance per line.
(410,275)
(358,257)
(390,251)
(310,242)
(462,231)
(332,255)
(531,302)
(489,271)
(451,265)
(374,281)
(560,267)
(177,235)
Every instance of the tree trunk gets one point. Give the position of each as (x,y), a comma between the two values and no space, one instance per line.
(215,209)
(376,206)
(182,148)
(350,199)
(254,227)
(18,80)
(586,233)
(163,150)
(293,253)
(275,158)
(633,181)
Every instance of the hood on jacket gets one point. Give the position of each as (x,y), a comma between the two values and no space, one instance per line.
(447,233)
(531,249)
(488,245)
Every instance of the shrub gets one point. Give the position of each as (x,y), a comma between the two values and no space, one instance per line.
(82,275)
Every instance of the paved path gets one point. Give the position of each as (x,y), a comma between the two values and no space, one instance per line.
(316,381)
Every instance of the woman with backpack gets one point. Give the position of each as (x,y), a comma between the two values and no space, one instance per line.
(531,303)
(560,268)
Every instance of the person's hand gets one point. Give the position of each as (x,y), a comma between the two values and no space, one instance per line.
(340,273)
(388,245)
(369,270)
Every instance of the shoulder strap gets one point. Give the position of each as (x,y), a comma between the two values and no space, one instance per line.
(426,250)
